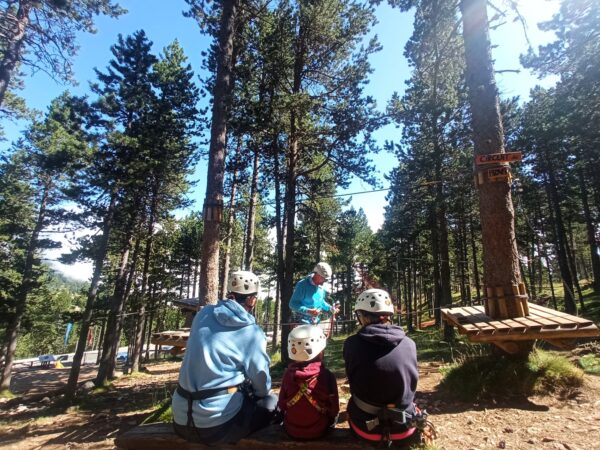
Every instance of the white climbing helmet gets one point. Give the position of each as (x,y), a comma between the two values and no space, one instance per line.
(323,269)
(243,282)
(375,301)
(305,342)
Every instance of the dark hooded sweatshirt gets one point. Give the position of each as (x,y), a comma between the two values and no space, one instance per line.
(381,364)
(303,420)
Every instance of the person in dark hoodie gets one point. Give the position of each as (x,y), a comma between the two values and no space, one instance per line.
(226,352)
(381,365)
(308,397)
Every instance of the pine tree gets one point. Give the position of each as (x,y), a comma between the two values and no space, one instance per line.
(41,34)
(56,149)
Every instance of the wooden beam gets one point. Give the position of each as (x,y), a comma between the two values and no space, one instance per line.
(512,348)
(563,344)
(591,331)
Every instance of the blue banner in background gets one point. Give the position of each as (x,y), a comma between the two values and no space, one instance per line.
(68,332)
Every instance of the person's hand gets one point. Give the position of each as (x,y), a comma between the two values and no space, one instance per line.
(336,309)
(313,311)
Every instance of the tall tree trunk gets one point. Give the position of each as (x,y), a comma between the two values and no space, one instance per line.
(290,187)
(249,254)
(27,282)
(569,242)
(100,340)
(500,255)
(91,298)
(14,39)
(279,229)
(560,244)
(111,338)
(591,232)
(445,267)
(139,332)
(475,260)
(213,202)
(410,319)
(290,215)
(435,252)
(230,222)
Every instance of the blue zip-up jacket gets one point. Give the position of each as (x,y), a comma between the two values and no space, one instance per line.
(308,295)
(225,347)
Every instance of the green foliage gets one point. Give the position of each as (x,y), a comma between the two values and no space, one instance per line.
(6,394)
(590,364)
(50,31)
(541,373)
(162,414)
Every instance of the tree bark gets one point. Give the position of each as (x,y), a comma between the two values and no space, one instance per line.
(14,45)
(279,228)
(230,222)
(290,189)
(500,256)
(112,335)
(139,332)
(249,254)
(560,241)
(213,202)
(475,261)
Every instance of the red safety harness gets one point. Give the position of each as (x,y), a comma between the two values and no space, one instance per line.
(305,391)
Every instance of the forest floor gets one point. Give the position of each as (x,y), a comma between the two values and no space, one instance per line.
(542,422)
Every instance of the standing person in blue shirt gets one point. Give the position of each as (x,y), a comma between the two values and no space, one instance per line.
(308,300)
(225,350)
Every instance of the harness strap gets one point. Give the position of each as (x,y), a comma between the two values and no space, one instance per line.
(206,393)
(381,437)
(201,395)
(304,391)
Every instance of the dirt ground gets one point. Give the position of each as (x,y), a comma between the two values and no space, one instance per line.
(534,423)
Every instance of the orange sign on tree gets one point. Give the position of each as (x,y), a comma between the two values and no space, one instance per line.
(498,158)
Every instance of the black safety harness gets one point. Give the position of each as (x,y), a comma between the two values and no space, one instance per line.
(202,395)
(392,414)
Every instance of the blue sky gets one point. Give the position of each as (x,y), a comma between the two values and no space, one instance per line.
(163,22)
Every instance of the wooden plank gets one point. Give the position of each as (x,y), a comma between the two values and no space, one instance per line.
(579,320)
(562,321)
(478,320)
(498,325)
(590,331)
(530,324)
(515,327)
(463,328)
(543,321)
(461,316)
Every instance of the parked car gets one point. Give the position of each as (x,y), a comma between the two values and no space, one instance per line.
(122,357)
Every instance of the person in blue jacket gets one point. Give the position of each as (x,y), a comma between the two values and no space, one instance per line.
(224,385)
(308,300)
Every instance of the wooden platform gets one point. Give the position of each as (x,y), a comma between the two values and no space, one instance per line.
(176,338)
(160,436)
(553,326)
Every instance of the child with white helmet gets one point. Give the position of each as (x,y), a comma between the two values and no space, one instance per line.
(381,365)
(308,396)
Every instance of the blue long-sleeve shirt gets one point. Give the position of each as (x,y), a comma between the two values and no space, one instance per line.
(225,347)
(308,295)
